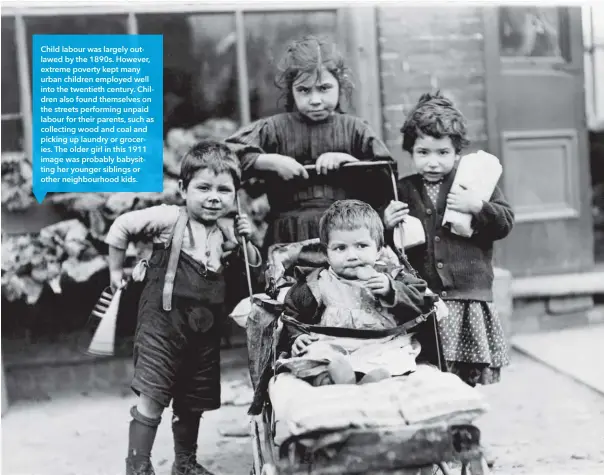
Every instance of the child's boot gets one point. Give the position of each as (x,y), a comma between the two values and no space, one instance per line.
(185,427)
(140,442)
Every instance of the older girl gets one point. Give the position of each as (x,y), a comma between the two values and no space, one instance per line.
(312,131)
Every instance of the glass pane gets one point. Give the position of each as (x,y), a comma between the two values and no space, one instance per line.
(532,32)
(200,69)
(10,78)
(267,36)
(12,135)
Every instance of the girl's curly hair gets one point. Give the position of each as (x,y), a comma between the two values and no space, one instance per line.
(436,116)
(306,56)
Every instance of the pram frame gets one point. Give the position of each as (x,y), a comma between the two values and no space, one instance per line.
(461,441)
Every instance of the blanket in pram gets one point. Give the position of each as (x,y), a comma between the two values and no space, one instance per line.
(395,354)
(424,396)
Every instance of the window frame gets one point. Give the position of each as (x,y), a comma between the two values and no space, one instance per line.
(593,88)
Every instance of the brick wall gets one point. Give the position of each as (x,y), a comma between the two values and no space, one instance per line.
(425,48)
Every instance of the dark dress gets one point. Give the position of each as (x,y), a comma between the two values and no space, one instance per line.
(297,205)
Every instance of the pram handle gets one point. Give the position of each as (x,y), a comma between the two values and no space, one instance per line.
(363,164)
(377,163)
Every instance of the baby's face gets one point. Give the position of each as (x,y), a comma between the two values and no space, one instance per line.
(348,252)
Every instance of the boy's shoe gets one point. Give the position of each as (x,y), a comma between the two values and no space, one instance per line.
(139,468)
(189,466)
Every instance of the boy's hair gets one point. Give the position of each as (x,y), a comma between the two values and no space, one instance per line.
(212,155)
(436,116)
(347,215)
(305,56)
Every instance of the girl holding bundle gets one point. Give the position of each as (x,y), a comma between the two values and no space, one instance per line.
(458,268)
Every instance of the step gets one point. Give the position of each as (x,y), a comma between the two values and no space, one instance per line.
(578,283)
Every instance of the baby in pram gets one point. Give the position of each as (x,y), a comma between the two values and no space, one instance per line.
(372,302)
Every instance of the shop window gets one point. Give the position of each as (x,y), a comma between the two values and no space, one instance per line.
(12,134)
(200,67)
(267,36)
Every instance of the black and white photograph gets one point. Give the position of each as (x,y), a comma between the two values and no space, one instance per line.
(378,247)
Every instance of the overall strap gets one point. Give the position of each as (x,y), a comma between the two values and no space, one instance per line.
(178,235)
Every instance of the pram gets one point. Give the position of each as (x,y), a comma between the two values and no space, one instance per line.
(396,447)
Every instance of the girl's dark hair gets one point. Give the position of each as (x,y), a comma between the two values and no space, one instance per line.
(348,215)
(436,116)
(306,56)
(212,155)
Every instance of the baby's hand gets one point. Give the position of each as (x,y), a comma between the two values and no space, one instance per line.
(379,285)
(301,343)
(332,161)
(243,228)
(395,214)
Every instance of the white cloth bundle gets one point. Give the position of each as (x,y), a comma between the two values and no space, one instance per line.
(413,233)
(478,172)
(242,310)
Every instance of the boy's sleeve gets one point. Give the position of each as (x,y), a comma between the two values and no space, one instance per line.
(409,297)
(146,224)
(496,219)
(251,141)
(301,304)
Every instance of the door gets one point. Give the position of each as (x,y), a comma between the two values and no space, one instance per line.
(537,126)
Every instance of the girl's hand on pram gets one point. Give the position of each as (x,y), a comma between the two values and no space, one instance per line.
(395,214)
(332,161)
(379,285)
(286,167)
(301,343)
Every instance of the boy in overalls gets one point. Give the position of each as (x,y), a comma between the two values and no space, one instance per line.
(177,341)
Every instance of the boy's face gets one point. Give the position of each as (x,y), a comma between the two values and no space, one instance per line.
(434,158)
(347,251)
(316,95)
(209,196)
